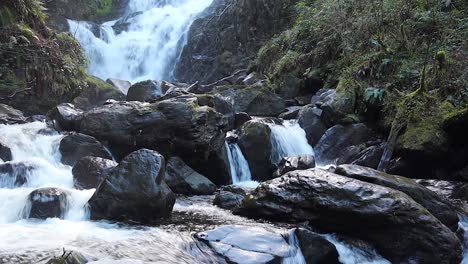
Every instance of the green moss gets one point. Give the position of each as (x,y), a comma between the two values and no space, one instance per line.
(104,8)
(287,63)
(26,31)
(6,17)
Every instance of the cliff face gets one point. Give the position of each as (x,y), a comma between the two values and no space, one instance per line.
(59,11)
(228,35)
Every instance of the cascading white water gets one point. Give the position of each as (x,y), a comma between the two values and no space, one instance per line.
(295,253)
(240,171)
(287,140)
(149,46)
(38,151)
(353,255)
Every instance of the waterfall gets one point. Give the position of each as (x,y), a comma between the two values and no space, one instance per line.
(288,139)
(37,160)
(143,44)
(295,253)
(353,255)
(240,171)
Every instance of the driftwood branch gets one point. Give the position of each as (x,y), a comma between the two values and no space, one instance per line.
(15,93)
(225,79)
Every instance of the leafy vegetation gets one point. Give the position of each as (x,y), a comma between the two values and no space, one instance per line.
(38,67)
(395,47)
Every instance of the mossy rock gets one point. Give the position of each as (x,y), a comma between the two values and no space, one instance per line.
(97,93)
(425,137)
(89,10)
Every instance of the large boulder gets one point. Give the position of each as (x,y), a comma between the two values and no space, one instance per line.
(122,85)
(14,174)
(89,171)
(287,164)
(10,115)
(48,203)
(246,245)
(402,230)
(256,100)
(338,141)
(96,93)
(76,146)
(184,180)
(66,117)
(228,197)
(145,91)
(315,248)
(5,152)
(255,143)
(180,126)
(310,119)
(135,190)
(425,197)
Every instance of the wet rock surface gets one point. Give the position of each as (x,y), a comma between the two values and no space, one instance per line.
(288,164)
(246,245)
(10,115)
(5,152)
(425,197)
(375,213)
(48,203)
(76,146)
(184,180)
(89,172)
(66,117)
(14,174)
(255,143)
(340,141)
(184,125)
(135,190)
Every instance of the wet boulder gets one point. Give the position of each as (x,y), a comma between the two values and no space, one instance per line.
(66,117)
(184,180)
(315,248)
(135,190)
(240,119)
(287,164)
(338,142)
(255,143)
(310,119)
(290,113)
(246,245)
(145,91)
(5,152)
(228,197)
(89,171)
(256,100)
(402,230)
(48,203)
(183,125)
(370,156)
(96,93)
(425,197)
(76,146)
(122,85)
(10,115)
(14,174)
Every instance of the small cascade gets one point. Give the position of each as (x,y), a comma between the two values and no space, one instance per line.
(288,139)
(144,44)
(353,255)
(36,164)
(240,171)
(295,253)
